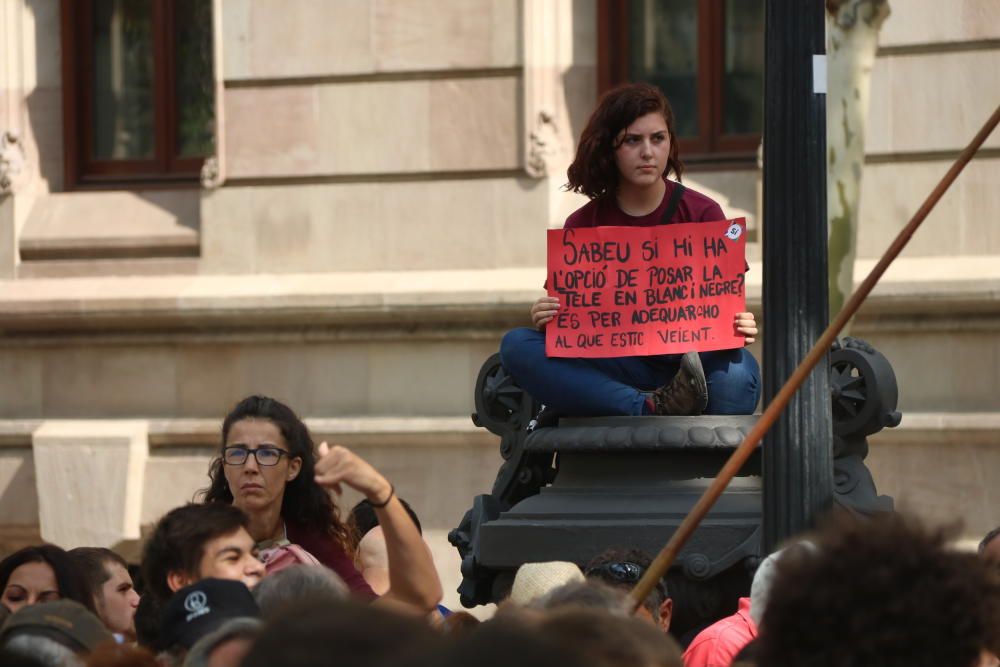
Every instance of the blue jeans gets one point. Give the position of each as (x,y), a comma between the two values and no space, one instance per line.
(620,386)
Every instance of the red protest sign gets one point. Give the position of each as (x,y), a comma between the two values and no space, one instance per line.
(630,291)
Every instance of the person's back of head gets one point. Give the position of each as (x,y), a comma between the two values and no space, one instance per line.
(178,540)
(54,632)
(44,651)
(611,639)
(10,658)
(883,591)
(227,645)
(502,642)
(763,578)
(147,621)
(363,518)
(371,552)
(122,655)
(317,633)
(297,584)
(588,594)
(459,623)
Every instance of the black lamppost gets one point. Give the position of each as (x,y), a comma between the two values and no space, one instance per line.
(797,452)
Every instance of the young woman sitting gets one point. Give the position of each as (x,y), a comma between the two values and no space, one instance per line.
(624,156)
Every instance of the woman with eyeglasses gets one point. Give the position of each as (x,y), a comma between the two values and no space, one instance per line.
(269,468)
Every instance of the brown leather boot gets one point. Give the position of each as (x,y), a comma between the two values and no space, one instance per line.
(687,393)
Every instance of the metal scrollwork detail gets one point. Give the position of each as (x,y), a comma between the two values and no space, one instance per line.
(864,393)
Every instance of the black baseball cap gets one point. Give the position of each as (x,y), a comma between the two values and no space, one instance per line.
(198,609)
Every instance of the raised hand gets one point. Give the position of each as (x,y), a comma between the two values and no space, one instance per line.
(338,465)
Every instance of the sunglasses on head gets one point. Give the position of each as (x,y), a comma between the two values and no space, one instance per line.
(623,572)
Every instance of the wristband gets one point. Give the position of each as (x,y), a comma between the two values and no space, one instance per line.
(392,492)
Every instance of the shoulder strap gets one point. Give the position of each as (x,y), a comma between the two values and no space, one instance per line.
(675,200)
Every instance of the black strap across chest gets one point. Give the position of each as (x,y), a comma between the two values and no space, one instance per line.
(675,200)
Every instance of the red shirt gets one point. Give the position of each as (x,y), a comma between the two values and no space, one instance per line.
(327,551)
(718,644)
(604,211)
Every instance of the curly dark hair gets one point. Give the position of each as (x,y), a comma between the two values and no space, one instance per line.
(885,591)
(593,171)
(71,581)
(304,501)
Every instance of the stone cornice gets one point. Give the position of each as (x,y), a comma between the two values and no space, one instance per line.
(948,288)
(181,434)
(939,428)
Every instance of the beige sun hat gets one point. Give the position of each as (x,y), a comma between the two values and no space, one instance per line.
(534,580)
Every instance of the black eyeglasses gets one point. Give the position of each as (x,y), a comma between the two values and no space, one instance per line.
(265,456)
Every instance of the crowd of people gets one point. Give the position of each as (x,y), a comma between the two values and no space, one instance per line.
(264,570)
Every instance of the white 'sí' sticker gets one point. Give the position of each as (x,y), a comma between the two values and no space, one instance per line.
(735,231)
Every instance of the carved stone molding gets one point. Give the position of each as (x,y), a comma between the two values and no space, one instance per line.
(211,174)
(547,55)
(11,161)
(543,143)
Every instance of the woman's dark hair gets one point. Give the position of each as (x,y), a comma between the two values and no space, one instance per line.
(304,501)
(593,171)
(71,582)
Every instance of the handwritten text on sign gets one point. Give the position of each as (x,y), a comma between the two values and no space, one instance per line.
(627,291)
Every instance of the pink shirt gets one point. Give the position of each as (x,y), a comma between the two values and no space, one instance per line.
(718,644)
(604,211)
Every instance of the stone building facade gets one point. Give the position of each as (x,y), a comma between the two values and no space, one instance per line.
(369,221)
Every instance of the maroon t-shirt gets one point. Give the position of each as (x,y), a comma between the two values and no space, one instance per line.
(327,551)
(604,211)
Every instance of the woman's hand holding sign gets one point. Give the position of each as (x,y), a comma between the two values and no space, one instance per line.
(544,310)
(747,326)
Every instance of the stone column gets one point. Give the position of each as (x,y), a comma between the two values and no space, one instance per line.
(89,476)
(797,455)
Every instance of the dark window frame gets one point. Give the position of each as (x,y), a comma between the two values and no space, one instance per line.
(711,147)
(164,168)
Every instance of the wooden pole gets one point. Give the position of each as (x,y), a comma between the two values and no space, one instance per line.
(668,555)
